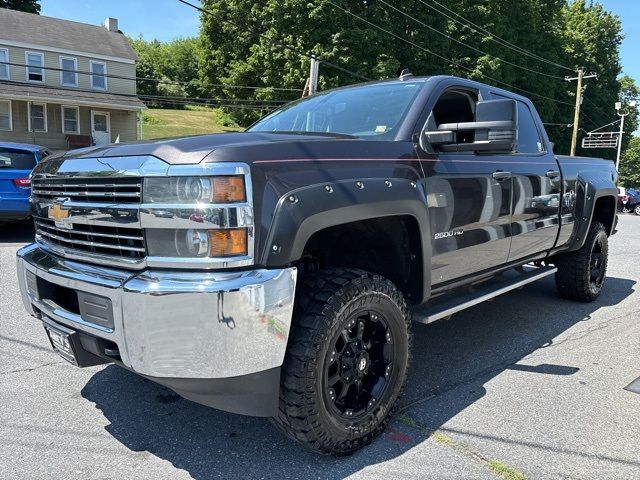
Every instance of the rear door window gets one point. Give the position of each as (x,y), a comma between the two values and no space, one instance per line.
(16,159)
(529,140)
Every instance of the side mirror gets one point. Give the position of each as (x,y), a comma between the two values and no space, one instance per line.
(495,129)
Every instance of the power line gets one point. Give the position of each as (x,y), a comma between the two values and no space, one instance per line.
(278,43)
(439,32)
(146,79)
(250,100)
(608,124)
(493,37)
(212,105)
(443,57)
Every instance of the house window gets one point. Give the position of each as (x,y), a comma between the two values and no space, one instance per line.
(98,72)
(70,119)
(5,115)
(4,68)
(35,62)
(37,117)
(69,73)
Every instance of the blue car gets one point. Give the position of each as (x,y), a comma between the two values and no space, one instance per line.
(16,162)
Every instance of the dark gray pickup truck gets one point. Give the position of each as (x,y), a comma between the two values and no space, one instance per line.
(275,272)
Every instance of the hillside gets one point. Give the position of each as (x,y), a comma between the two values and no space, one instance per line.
(164,123)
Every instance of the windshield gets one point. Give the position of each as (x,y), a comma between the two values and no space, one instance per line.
(16,159)
(366,111)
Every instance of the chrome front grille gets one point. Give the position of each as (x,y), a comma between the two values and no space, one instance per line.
(126,243)
(95,189)
(92,210)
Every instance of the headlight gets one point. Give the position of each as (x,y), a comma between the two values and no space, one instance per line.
(218,189)
(192,243)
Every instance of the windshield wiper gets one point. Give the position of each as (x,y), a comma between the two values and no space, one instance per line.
(303,132)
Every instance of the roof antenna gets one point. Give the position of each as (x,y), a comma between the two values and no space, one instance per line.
(404,74)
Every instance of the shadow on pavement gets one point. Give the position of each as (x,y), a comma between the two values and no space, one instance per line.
(464,353)
(16,232)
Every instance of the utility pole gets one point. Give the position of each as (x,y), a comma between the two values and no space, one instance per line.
(576,116)
(632,104)
(311,85)
(313,76)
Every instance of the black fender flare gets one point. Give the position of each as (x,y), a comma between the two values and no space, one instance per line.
(590,187)
(305,211)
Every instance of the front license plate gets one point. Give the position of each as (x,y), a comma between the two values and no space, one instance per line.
(61,343)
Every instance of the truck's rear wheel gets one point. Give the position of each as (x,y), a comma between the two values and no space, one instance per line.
(346,362)
(581,274)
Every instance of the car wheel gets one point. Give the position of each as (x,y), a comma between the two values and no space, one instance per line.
(347,360)
(636,210)
(581,274)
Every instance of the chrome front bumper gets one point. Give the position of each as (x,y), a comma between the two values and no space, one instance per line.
(193,325)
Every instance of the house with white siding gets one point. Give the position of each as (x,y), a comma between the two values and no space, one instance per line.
(65,84)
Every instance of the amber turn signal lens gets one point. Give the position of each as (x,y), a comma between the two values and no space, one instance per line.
(228,189)
(228,243)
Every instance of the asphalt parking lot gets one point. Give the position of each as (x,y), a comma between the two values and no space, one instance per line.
(526,386)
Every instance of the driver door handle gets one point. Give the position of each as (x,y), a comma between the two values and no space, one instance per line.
(552,173)
(500,175)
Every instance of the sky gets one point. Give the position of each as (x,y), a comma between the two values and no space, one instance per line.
(161,19)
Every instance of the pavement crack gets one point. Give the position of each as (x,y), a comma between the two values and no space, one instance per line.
(496,466)
(19,370)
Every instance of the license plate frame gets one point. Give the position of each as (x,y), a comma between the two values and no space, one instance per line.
(61,340)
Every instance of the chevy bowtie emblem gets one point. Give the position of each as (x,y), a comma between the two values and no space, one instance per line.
(59,214)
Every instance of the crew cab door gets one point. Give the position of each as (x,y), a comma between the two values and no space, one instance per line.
(468,197)
(536,188)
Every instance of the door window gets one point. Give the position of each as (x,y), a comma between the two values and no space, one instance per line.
(100,123)
(529,140)
(454,106)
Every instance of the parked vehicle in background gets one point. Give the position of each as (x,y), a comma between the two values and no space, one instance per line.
(628,200)
(16,162)
(275,272)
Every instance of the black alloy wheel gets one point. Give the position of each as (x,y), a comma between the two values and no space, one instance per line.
(597,265)
(359,365)
(346,362)
(581,274)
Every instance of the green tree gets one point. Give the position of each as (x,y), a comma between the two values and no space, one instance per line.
(243,44)
(174,63)
(592,38)
(630,164)
(29,6)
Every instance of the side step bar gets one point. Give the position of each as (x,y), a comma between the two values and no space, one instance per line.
(453,304)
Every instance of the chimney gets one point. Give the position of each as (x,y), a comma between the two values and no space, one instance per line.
(111,24)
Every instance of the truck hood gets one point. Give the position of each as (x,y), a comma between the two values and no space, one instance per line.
(191,150)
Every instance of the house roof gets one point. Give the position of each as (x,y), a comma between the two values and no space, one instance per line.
(20,91)
(31,29)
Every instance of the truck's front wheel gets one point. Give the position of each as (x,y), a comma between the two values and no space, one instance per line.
(346,362)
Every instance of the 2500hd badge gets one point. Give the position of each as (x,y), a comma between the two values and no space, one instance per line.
(450,233)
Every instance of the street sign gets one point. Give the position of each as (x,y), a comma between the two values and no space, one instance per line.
(601,140)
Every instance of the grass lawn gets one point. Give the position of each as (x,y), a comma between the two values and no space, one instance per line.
(163,123)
